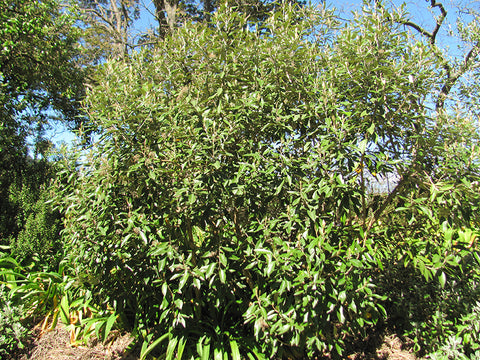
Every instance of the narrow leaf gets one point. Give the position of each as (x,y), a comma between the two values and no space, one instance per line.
(443,279)
(206,352)
(235,351)
(172,344)
(65,310)
(181,348)
(108,326)
(152,346)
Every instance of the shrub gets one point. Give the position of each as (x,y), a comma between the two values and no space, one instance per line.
(35,240)
(465,343)
(225,207)
(12,316)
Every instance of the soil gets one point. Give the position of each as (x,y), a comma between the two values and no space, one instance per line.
(391,348)
(55,345)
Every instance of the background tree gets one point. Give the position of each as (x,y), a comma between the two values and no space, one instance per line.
(109,30)
(171,13)
(457,68)
(40,83)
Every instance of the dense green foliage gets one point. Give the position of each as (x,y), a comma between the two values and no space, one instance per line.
(225,208)
(13,331)
(39,81)
(230,205)
(37,225)
(37,61)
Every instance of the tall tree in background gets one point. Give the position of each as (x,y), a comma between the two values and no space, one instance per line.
(465,63)
(38,63)
(171,13)
(40,83)
(108,28)
(110,31)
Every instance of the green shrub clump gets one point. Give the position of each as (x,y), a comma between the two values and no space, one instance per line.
(225,208)
(12,317)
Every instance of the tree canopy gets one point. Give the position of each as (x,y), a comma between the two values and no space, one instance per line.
(39,82)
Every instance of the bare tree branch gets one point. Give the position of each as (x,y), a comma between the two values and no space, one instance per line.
(113,17)
(419,29)
(432,36)
(472,54)
(440,20)
(451,76)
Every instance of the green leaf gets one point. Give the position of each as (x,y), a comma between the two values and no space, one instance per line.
(205,354)
(222,275)
(183,281)
(65,310)
(338,348)
(223,259)
(172,344)
(217,354)
(258,354)
(312,214)
(143,237)
(426,211)
(443,279)
(363,146)
(210,270)
(279,188)
(181,348)
(235,350)
(108,327)
(152,346)
(341,315)
(371,129)
(270,265)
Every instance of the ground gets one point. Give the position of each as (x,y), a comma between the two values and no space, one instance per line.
(55,345)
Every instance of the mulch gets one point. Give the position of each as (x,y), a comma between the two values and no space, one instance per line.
(55,345)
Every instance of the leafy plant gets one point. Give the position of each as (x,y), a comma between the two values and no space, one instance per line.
(35,242)
(12,317)
(225,211)
(465,343)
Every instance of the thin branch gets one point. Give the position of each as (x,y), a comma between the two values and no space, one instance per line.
(419,29)
(432,36)
(440,20)
(453,78)
(99,15)
(474,52)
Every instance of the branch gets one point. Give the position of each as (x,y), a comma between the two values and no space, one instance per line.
(419,29)
(443,15)
(474,51)
(433,35)
(100,16)
(453,78)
